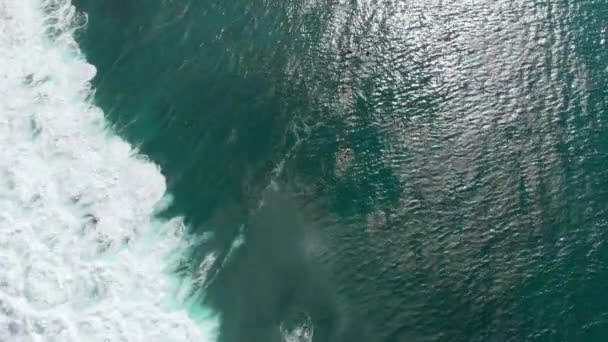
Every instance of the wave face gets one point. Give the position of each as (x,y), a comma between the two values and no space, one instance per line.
(81,258)
(374,170)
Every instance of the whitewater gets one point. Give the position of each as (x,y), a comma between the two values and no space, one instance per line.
(82,257)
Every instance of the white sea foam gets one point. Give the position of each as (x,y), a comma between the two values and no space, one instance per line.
(80,257)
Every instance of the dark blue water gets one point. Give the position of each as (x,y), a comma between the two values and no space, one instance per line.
(394,171)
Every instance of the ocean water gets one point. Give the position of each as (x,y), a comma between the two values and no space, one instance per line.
(82,256)
(319,170)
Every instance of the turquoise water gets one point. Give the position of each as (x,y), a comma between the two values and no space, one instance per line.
(374,170)
(82,255)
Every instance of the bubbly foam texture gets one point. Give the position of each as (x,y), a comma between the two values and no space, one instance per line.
(80,257)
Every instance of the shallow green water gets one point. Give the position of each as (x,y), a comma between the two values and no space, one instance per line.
(441,166)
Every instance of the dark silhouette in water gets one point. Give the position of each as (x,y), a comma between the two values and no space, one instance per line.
(278,277)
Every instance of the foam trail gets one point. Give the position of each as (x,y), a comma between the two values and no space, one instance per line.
(80,259)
